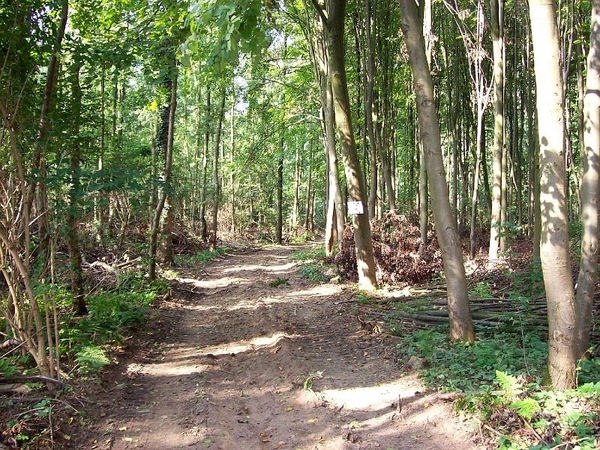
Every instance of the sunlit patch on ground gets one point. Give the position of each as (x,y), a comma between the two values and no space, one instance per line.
(249,268)
(368,398)
(212,283)
(246,345)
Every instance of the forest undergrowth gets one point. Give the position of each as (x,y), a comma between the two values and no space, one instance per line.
(500,380)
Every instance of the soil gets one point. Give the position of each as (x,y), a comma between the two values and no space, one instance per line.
(247,354)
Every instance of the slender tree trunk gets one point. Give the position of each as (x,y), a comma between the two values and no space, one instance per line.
(205,149)
(231,160)
(354,176)
(586,282)
(297,182)
(497,26)
(216,181)
(370,115)
(74,211)
(38,190)
(554,248)
(279,226)
(98,208)
(309,189)
(164,148)
(335,216)
(335,208)
(427,18)
(461,325)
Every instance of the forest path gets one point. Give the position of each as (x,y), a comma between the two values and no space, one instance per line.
(231,361)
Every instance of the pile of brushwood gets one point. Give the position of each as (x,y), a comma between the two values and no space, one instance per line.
(400,254)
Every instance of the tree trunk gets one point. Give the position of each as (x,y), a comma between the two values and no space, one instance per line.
(216,181)
(354,177)
(74,210)
(586,282)
(427,17)
(279,226)
(461,325)
(205,149)
(554,248)
(164,149)
(335,208)
(309,190)
(370,115)
(497,26)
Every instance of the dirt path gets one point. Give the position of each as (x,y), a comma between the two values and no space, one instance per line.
(231,362)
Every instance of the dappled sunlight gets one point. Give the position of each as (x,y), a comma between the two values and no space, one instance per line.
(212,283)
(321,290)
(368,398)
(256,343)
(253,267)
(171,367)
(251,303)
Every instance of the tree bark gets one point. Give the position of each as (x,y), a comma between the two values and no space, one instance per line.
(554,248)
(205,149)
(354,177)
(74,210)
(279,225)
(164,146)
(216,182)
(586,282)
(461,324)
(497,26)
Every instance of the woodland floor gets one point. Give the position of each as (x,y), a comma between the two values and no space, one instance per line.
(230,361)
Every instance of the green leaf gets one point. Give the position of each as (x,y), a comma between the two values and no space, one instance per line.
(526,408)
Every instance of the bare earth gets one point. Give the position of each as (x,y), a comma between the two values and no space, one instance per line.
(232,362)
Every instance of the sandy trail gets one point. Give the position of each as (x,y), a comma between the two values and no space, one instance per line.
(231,361)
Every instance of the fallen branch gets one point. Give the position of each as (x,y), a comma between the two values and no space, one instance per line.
(31,379)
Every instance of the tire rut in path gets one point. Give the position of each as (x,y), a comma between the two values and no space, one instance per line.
(233,362)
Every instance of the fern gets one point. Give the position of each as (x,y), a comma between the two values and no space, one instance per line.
(509,385)
(526,408)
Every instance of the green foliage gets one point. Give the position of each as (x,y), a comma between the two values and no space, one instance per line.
(90,358)
(465,368)
(314,272)
(588,370)
(363,298)
(526,408)
(482,289)
(86,339)
(528,283)
(309,253)
(302,238)
(8,365)
(311,263)
(200,258)
(501,375)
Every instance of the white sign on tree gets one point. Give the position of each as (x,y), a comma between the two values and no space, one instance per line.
(355,208)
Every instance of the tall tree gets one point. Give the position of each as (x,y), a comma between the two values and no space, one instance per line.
(461,324)
(74,210)
(334,27)
(165,146)
(590,193)
(212,239)
(335,214)
(554,247)
(497,26)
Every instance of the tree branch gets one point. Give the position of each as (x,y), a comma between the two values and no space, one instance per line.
(321,13)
